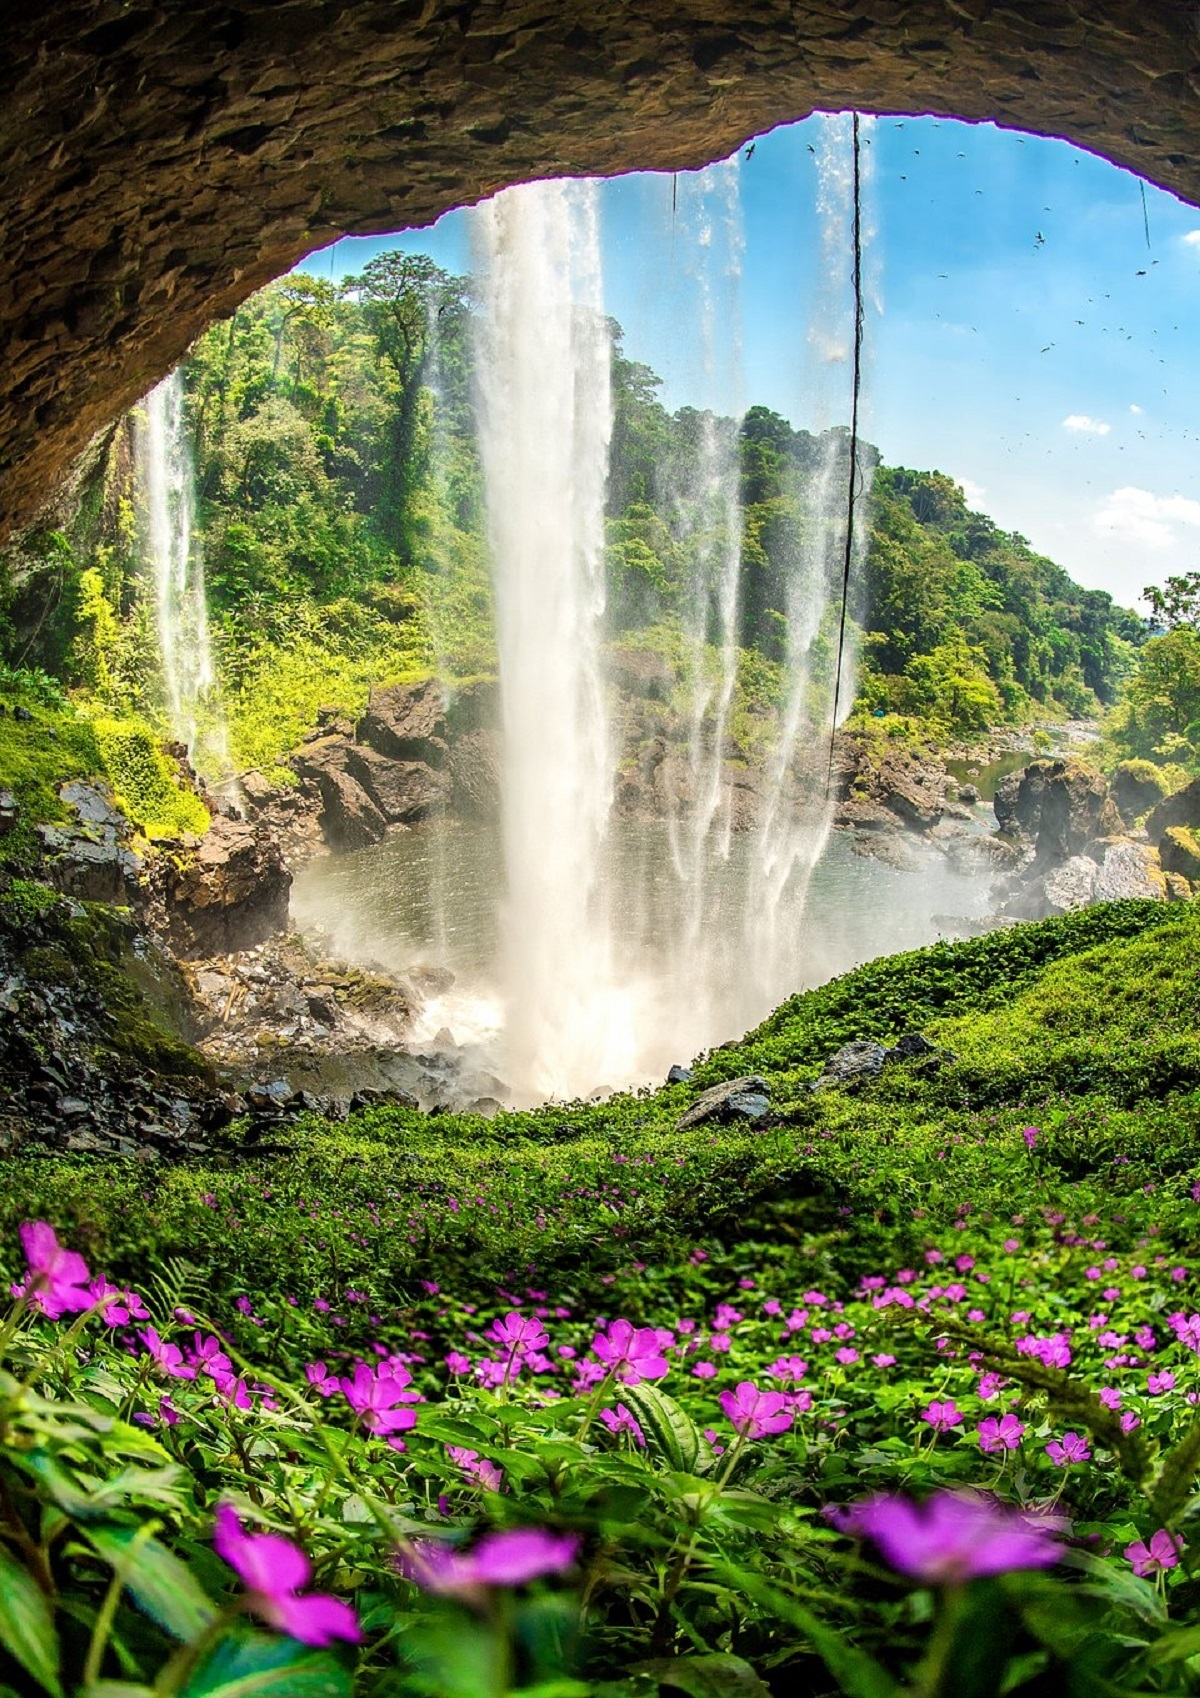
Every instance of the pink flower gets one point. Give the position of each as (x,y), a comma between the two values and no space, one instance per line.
(119,1306)
(1074,1448)
(884,1360)
(632,1353)
(942,1416)
(458,1363)
(168,1358)
(620,1420)
(374,1397)
(705,1370)
(1031,1136)
(1156,1383)
(489,1474)
(1155,1558)
(57,1281)
(950,1538)
(273,1570)
(788,1368)
(756,1413)
(499,1559)
(846,1356)
(1002,1432)
(319,1377)
(518,1333)
(1129,1421)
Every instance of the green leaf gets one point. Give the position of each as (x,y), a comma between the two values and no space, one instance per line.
(718,1675)
(252,1666)
(26,1623)
(163,1586)
(667,1427)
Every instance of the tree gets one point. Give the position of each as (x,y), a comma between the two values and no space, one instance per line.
(1177,602)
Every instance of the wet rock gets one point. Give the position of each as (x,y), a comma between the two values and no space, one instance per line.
(230,894)
(679,1075)
(918,804)
(732,1100)
(10,812)
(1070,885)
(403,791)
(862,1059)
(22,715)
(371,1098)
(970,794)
(407,722)
(475,772)
(488,1107)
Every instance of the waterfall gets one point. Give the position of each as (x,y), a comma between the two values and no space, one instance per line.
(704,494)
(798,807)
(189,676)
(545,419)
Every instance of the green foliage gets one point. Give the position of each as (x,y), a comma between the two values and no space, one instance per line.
(147,786)
(1158,716)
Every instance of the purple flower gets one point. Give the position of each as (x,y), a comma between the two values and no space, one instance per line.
(948,1539)
(489,1474)
(1031,1136)
(1156,1383)
(1155,1558)
(58,1278)
(788,1368)
(119,1306)
(273,1570)
(756,1413)
(168,1358)
(1002,1432)
(374,1397)
(942,1416)
(621,1420)
(499,1559)
(319,1377)
(1074,1448)
(518,1333)
(632,1353)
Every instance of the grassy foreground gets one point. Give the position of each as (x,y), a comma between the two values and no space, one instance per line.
(896,1396)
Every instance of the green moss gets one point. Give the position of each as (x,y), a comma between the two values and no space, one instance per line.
(147,786)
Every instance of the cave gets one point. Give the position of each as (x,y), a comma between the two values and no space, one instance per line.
(163,161)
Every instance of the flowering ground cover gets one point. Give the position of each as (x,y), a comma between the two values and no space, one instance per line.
(901,1395)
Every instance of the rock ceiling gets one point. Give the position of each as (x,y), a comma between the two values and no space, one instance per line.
(161,159)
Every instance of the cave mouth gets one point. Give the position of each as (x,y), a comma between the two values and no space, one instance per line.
(158,168)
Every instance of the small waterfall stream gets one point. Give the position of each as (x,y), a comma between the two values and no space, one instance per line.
(181,607)
(545,419)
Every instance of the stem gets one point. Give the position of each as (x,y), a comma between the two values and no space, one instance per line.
(937,1663)
(108,1609)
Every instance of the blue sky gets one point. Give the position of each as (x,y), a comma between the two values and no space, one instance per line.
(1022,334)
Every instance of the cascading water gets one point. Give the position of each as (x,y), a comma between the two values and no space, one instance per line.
(545,419)
(185,647)
(708,229)
(798,807)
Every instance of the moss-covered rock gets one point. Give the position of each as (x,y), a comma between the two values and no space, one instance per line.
(1179,852)
(1138,786)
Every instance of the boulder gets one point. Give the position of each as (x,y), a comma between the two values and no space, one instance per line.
(862,1059)
(10,812)
(230,894)
(349,818)
(1127,870)
(1137,786)
(911,795)
(1062,805)
(1183,808)
(407,722)
(640,673)
(402,791)
(1179,852)
(1072,884)
(735,1099)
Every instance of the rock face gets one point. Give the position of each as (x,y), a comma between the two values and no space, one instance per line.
(230,893)
(1062,805)
(407,722)
(159,162)
(93,859)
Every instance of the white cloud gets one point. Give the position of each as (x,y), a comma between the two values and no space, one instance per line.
(1082,422)
(1139,516)
(1135,409)
(973,491)
(1193,238)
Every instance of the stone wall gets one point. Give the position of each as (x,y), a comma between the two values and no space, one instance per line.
(161,159)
